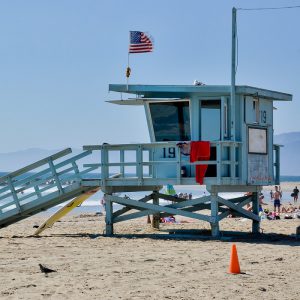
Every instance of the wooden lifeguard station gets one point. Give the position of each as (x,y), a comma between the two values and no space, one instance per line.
(220,136)
(234,124)
(242,155)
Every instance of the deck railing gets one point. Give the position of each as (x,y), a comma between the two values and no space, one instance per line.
(138,164)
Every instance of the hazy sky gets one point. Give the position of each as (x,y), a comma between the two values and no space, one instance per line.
(57,58)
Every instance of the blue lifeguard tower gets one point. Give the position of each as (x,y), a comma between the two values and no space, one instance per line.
(242,156)
(217,135)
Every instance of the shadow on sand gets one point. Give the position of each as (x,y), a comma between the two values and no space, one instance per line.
(190,235)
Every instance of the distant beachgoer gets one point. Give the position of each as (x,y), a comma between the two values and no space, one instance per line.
(103,203)
(277,199)
(290,209)
(280,191)
(190,196)
(248,194)
(271,195)
(248,207)
(170,219)
(296,193)
(184,148)
(261,202)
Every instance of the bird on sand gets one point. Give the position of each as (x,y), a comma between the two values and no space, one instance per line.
(46,270)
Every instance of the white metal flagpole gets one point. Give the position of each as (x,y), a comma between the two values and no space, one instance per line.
(128,70)
(233,71)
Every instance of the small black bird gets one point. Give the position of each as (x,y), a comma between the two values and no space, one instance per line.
(46,270)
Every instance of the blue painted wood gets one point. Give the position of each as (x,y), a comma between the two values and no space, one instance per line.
(65,177)
(181,205)
(186,91)
(36,164)
(239,209)
(157,208)
(227,212)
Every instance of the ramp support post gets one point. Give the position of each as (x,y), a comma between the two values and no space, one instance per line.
(109,230)
(255,210)
(214,223)
(156,216)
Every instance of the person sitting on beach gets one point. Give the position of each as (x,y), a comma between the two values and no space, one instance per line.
(170,219)
(277,196)
(289,212)
(273,216)
(290,209)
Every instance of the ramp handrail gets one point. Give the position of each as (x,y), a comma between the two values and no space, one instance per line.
(36,164)
(54,180)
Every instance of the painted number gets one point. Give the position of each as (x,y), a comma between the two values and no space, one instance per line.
(263,116)
(169,152)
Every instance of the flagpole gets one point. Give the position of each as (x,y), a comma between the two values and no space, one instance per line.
(127,75)
(233,73)
(128,70)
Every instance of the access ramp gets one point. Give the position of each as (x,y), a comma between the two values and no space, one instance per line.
(42,185)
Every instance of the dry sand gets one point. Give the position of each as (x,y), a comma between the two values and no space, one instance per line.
(91,266)
(132,265)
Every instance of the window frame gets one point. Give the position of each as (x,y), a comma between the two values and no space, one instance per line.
(148,110)
(266,142)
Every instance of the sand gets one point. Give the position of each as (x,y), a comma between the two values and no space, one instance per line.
(132,265)
(91,266)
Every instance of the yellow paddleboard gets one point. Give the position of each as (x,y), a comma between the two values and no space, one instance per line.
(64,210)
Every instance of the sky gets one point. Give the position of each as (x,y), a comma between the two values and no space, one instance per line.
(57,58)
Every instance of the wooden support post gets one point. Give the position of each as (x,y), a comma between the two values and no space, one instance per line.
(214,223)
(255,210)
(109,230)
(156,216)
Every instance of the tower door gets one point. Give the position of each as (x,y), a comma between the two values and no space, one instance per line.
(210,116)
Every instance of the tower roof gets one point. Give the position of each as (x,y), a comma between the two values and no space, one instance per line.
(147,92)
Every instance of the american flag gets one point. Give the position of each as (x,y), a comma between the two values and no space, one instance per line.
(140,42)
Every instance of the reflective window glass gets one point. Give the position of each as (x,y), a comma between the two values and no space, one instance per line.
(171,121)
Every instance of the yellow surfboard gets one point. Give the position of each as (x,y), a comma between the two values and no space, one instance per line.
(65,209)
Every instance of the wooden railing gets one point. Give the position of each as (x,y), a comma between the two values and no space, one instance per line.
(35,183)
(143,164)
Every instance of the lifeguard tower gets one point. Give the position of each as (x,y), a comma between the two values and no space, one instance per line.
(177,115)
(220,136)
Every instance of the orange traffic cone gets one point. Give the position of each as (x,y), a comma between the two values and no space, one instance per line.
(148,220)
(234,267)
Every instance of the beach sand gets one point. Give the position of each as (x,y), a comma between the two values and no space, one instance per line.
(132,265)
